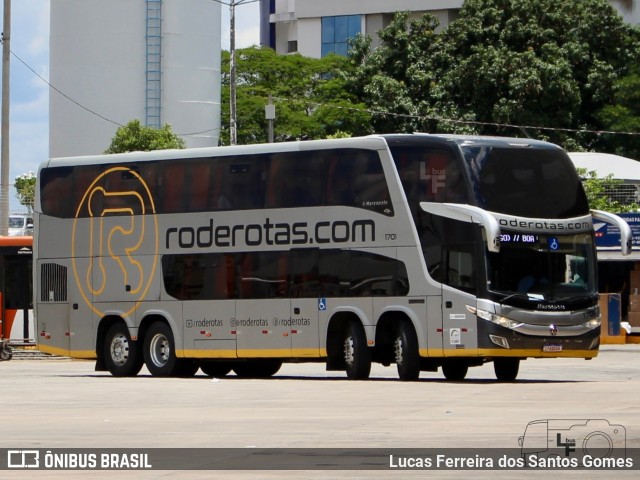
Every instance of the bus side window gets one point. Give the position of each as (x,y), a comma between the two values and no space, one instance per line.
(333,272)
(369,183)
(174,187)
(305,282)
(224,285)
(339,189)
(243,183)
(55,185)
(376,276)
(295,180)
(198,191)
(263,275)
(83,178)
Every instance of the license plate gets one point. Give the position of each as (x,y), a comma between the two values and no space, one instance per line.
(552,348)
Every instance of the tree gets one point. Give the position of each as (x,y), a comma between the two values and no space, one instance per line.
(309,94)
(539,63)
(25,189)
(396,78)
(135,137)
(623,115)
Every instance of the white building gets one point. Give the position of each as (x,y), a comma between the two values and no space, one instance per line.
(314,28)
(157,61)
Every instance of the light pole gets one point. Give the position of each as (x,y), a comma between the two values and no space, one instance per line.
(4,147)
(233,114)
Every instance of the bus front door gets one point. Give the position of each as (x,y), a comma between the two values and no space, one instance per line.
(459,331)
(459,325)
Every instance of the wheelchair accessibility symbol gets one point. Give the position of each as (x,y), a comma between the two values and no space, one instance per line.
(322,304)
(553,244)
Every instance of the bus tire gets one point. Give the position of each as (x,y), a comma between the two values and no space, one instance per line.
(506,369)
(121,355)
(159,350)
(259,368)
(406,354)
(357,355)
(215,369)
(455,371)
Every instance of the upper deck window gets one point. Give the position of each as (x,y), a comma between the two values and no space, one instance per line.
(316,178)
(524,181)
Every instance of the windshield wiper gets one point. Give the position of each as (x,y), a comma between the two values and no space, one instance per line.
(532,297)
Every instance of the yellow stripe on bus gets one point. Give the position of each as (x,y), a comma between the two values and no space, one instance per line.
(254,353)
(498,352)
(63,352)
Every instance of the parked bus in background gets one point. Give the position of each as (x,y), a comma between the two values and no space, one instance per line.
(427,251)
(20,224)
(16,294)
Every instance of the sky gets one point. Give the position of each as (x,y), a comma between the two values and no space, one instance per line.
(29,103)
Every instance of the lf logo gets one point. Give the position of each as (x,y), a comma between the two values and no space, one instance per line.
(23,459)
(597,438)
(569,445)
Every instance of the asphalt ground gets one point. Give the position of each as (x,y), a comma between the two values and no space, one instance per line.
(50,404)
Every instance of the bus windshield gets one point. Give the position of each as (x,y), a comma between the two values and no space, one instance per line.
(543,267)
(506,180)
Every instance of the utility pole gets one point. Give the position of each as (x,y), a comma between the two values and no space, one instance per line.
(233,134)
(233,111)
(270,115)
(4,130)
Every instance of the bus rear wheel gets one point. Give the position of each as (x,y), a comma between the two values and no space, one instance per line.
(405,350)
(506,369)
(159,350)
(357,355)
(121,355)
(454,370)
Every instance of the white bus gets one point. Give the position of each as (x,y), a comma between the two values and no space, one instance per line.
(426,251)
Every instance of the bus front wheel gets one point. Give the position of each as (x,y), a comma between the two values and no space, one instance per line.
(357,355)
(159,350)
(120,354)
(506,369)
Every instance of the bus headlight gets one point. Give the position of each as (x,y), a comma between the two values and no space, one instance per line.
(593,323)
(493,318)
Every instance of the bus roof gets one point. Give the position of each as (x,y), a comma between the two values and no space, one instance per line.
(373,142)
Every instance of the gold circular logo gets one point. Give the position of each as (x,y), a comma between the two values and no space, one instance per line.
(115,241)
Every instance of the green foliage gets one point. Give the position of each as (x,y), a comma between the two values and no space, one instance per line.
(134,137)
(512,62)
(624,116)
(596,190)
(309,95)
(25,189)
(536,62)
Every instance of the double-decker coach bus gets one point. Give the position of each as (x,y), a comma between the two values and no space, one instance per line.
(426,251)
